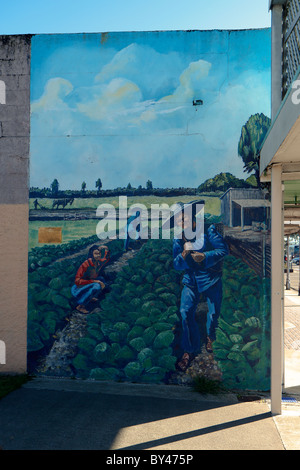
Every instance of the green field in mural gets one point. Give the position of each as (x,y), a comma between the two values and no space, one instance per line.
(172,120)
(212,203)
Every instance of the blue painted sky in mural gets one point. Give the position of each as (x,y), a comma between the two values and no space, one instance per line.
(120,106)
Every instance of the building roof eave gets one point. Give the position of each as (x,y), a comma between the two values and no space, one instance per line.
(276,2)
(281,140)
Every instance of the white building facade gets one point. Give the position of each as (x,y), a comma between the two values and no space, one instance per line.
(280,162)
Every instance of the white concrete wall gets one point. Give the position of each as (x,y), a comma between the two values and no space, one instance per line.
(14,163)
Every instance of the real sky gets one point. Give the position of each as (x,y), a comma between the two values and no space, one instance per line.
(77,16)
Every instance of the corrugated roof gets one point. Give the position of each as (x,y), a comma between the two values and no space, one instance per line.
(252,202)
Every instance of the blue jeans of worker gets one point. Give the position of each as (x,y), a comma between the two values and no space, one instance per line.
(191,340)
(85,293)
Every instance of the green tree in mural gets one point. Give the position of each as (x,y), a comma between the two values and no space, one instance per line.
(251,140)
(252,181)
(222,182)
(149,185)
(54,187)
(83,186)
(98,185)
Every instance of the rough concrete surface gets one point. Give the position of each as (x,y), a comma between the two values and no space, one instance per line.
(66,414)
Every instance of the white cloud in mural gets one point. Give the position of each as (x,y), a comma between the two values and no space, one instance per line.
(191,79)
(111,100)
(121,96)
(125,62)
(154,73)
(178,105)
(119,102)
(56,90)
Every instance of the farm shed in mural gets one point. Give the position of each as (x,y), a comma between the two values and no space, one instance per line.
(150,120)
(243,207)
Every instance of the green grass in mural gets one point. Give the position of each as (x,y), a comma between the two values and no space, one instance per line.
(212,204)
(71,230)
(75,229)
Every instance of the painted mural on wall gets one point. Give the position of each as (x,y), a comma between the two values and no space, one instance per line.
(124,124)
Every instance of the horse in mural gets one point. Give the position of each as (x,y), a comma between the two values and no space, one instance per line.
(62,202)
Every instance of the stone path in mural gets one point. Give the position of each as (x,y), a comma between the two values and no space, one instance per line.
(78,253)
(58,361)
(203,365)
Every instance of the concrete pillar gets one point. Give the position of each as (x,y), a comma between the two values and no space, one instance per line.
(14,208)
(276,59)
(288,283)
(277,289)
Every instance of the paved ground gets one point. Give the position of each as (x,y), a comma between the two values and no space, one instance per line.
(292,333)
(291,313)
(59,414)
(66,414)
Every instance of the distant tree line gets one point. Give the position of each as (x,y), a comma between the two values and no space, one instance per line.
(46,193)
(220,183)
(54,192)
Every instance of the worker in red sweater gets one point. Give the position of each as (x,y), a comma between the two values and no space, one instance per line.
(89,282)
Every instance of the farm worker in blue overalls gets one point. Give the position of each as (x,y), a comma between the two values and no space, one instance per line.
(202,275)
(130,227)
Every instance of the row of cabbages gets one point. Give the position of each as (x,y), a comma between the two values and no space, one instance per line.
(132,337)
(242,347)
(49,295)
(42,256)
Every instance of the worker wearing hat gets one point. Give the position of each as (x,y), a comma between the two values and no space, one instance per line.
(200,259)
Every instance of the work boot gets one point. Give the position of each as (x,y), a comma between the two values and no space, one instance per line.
(209,348)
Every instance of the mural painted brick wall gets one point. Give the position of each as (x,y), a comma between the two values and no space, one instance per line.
(124,124)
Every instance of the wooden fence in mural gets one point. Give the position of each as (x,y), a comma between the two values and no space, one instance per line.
(254,248)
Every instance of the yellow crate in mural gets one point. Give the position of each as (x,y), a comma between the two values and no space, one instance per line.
(50,235)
